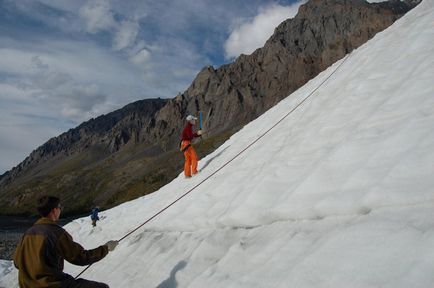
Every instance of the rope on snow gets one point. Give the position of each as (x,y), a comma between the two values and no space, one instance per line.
(233,158)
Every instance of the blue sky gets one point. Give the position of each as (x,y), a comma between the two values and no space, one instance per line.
(63,62)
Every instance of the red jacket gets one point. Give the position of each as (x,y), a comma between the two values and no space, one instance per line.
(187,133)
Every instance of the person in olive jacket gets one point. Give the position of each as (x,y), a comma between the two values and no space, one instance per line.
(43,248)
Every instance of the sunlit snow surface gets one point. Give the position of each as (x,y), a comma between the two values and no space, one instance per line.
(340,194)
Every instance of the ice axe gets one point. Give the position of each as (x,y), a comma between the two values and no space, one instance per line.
(200,123)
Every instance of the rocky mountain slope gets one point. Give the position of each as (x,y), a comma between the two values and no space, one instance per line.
(132,151)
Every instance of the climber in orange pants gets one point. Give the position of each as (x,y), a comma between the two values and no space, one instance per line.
(190,166)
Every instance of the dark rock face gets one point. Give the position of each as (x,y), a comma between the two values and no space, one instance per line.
(323,32)
(107,132)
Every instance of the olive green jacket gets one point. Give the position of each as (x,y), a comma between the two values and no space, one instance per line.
(39,255)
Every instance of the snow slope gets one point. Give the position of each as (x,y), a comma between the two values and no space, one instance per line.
(339,194)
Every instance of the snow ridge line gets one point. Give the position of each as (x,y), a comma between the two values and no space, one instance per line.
(229,161)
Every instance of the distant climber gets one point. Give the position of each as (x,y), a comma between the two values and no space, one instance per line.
(40,254)
(94,215)
(190,165)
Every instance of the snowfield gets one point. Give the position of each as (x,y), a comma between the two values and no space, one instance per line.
(339,194)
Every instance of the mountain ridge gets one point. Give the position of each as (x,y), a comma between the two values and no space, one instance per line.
(339,194)
(230,97)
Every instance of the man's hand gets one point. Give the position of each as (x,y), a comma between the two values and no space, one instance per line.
(199,132)
(111,245)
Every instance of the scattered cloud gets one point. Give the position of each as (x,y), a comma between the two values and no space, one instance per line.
(249,34)
(141,57)
(125,35)
(63,62)
(76,77)
(97,16)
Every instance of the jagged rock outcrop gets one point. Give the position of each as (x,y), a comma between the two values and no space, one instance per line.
(322,32)
(230,96)
(129,125)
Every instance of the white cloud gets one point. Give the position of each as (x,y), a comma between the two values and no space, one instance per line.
(125,35)
(97,16)
(47,87)
(68,76)
(141,57)
(249,35)
(127,50)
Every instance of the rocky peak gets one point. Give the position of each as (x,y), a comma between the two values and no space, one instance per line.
(322,32)
(108,132)
(230,96)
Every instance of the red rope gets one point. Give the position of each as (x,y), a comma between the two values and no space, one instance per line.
(233,158)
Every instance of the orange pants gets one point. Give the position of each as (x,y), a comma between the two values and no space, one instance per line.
(190,165)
